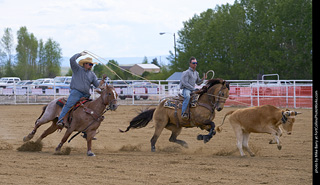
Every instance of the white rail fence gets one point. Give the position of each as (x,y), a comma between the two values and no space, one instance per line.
(281,93)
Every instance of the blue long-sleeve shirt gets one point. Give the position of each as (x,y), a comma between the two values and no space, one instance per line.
(81,78)
(189,79)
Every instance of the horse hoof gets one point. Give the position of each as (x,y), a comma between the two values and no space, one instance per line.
(185,145)
(91,154)
(206,139)
(153,148)
(25,139)
(200,137)
(279,147)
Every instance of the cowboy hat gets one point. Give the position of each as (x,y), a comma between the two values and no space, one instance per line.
(86,60)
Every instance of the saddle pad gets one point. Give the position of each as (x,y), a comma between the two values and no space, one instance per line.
(61,102)
(172,103)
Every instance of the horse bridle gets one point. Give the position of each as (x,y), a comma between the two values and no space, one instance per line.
(214,105)
(108,105)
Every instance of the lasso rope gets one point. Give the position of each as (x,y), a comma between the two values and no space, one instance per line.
(97,58)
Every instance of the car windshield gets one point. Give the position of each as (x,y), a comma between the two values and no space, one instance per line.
(59,80)
(68,81)
(21,83)
(37,82)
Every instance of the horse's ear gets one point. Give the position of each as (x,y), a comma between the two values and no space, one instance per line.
(227,84)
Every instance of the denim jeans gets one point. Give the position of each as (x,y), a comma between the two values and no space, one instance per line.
(186,94)
(73,98)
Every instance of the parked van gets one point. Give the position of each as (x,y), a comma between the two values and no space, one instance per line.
(5,81)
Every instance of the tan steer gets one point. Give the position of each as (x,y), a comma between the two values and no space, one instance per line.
(262,119)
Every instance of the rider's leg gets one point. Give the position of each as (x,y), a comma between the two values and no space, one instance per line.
(73,98)
(186,94)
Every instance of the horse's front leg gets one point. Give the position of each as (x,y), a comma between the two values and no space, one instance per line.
(212,132)
(90,136)
(64,139)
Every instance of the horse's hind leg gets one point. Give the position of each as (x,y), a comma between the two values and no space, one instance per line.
(38,123)
(158,129)
(49,130)
(175,132)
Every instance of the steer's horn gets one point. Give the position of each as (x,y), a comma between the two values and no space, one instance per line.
(296,113)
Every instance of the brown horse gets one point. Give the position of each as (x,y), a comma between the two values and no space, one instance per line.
(212,97)
(86,118)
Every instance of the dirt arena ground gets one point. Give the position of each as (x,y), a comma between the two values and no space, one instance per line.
(126,158)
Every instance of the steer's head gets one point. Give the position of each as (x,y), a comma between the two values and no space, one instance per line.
(287,119)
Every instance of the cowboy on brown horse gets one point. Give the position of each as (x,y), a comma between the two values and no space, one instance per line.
(213,97)
(86,118)
(82,78)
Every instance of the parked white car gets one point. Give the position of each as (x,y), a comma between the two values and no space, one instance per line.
(5,81)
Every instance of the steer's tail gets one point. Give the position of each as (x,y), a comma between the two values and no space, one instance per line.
(219,128)
(141,120)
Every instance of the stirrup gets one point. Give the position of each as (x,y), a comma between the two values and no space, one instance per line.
(60,123)
(185,116)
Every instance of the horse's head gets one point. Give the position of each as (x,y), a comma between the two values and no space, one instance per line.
(109,96)
(218,91)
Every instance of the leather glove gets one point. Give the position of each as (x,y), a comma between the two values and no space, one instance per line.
(83,53)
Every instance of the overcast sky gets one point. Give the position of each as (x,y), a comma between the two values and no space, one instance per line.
(109,28)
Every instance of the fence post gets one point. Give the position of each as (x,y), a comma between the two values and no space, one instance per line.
(258,93)
(132,91)
(294,94)
(14,92)
(287,95)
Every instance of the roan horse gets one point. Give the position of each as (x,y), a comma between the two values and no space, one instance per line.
(86,118)
(212,97)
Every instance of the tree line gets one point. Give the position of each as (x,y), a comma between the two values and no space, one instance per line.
(239,41)
(248,38)
(33,59)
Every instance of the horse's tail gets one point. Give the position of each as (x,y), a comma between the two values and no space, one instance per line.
(219,128)
(43,110)
(141,120)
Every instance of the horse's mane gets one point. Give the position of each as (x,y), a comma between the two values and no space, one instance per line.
(211,83)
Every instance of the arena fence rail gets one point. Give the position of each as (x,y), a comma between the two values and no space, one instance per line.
(280,93)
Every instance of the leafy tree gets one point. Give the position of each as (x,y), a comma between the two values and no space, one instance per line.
(7,43)
(100,69)
(249,37)
(26,54)
(155,62)
(36,59)
(53,56)
(145,60)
